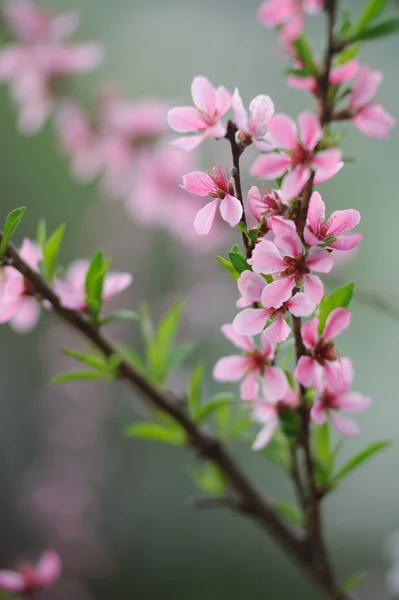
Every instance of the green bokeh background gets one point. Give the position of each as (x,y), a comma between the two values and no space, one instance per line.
(157,546)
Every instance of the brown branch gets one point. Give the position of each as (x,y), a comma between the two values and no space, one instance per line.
(246,498)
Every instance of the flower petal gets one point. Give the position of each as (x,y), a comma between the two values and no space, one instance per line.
(11,581)
(309,333)
(198,183)
(231,210)
(282,132)
(48,569)
(293,184)
(318,413)
(266,258)
(353,402)
(240,114)
(230,368)
(342,221)
(249,388)
(299,306)
(244,342)
(365,88)
(345,426)
(251,321)
(223,101)
(313,289)
(346,242)
(188,143)
(337,321)
(316,211)
(277,292)
(205,216)
(266,433)
(345,72)
(305,371)
(319,260)
(185,118)
(269,166)
(279,330)
(204,95)
(274,383)
(310,129)
(251,285)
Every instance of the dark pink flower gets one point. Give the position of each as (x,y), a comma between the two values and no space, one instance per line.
(29,579)
(321,348)
(289,15)
(290,265)
(204,119)
(267,413)
(264,205)
(253,366)
(335,397)
(218,186)
(299,156)
(329,232)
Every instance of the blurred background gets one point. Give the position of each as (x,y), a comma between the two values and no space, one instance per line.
(118,510)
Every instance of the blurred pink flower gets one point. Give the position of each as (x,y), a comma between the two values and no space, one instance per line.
(204,119)
(29,579)
(267,413)
(252,366)
(289,15)
(254,124)
(338,74)
(299,157)
(71,289)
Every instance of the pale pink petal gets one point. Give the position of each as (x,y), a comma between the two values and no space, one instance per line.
(251,285)
(279,330)
(243,303)
(284,229)
(313,289)
(204,95)
(261,109)
(26,316)
(293,29)
(216,131)
(115,283)
(327,160)
(347,242)
(255,203)
(309,333)
(305,371)
(231,210)
(365,88)
(199,183)
(244,342)
(345,72)
(268,345)
(353,402)
(240,114)
(374,121)
(342,221)
(230,368)
(274,383)
(185,118)
(269,166)
(223,101)
(11,581)
(274,12)
(48,569)
(251,321)
(316,210)
(322,175)
(249,388)
(310,237)
(318,413)
(188,143)
(293,183)
(282,132)
(345,426)
(266,433)
(291,246)
(310,129)
(339,375)
(337,321)
(299,306)
(278,292)
(266,258)
(313,6)
(319,260)
(205,216)
(301,83)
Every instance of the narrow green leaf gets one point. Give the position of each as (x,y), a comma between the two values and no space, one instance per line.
(178,356)
(347,54)
(50,251)
(304,52)
(121,315)
(210,479)
(341,297)
(41,235)
(357,460)
(291,512)
(278,451)
(157,433)
(195,391)
(10,225)
(353,580)
(132,358)
(242,227)
(299,73)
(88,359)
(374,31)
(167,329)
(372,10)
(79,376)
(239,262)
(214,404)
(228,266)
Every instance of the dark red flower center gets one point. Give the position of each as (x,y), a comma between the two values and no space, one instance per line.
(31,584)
(295,266)
(324,352)
(258,361)
(329,400)
(300,156)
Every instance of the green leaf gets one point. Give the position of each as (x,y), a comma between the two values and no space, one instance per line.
(195,391)
(357,460)
(341,297)
(299,73)
(50,250)
(291,512)
(178,356)
(347,54)
(242,227)
(121,315)
(228,266)
(41,235)
(132,358)
(167,329)
(157,433)
(304,53)
(88,359)
(214,404)
(353,580)
(372,10)
(79,376)
(12,221)
(321,442)
(278,451)
(239,262)
(210,479)
(290,424)
(374,31)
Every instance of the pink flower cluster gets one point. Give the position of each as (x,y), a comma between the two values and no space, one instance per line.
(288,16)
(21,308)
(28,580)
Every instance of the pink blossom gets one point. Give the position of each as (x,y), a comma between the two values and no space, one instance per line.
(29,579)
(290,264)
(321,348)
(264,205)
(328,232)
(289,15)
(204,119)
(253,365)
(300,156)
(34,24)
(252,127)
(339,74)
(17,305)
(335,397)
(216,185)
(253,320)
(267,413)
(369,117)
(71,289)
